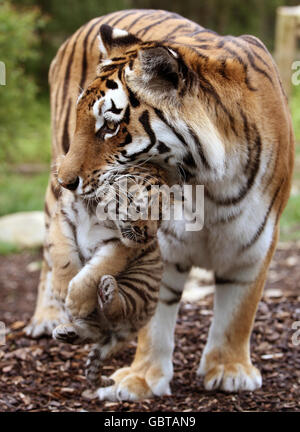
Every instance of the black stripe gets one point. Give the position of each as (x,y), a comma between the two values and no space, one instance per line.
(65,137)
(162,147)
(134,102)
(68,69)
(175,31)
(128,298)
(124,15)
(169,302)
(144,120)
(84,57)
(144,272)
(255,163)
(263,224)
(55,190)
(219,280)
(128,140)
(163,119)
(143,31)
(207,87)
(140,292)
(237,57)
(250,57)
(250,39)
(114,109)
(46,209)
(247,136)
(59,86)
(200,149)
(111,84)
(139,17)
(146,284)
(172,290)
(126,118)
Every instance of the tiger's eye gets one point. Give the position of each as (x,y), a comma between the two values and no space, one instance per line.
(111,125)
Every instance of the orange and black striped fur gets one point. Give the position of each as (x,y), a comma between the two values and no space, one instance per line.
(209,110)
(117,258)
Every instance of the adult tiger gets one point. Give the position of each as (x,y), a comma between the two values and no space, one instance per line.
(210,110)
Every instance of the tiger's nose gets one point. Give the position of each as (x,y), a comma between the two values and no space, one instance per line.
(72,186)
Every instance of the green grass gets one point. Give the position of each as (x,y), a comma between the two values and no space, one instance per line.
(34,144)
(295,109)
(290,220)
(8,248)
(21,192)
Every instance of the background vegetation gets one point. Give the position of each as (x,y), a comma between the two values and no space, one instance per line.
(30,33)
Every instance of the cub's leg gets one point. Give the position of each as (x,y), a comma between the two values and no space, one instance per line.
(89,329)
(152,369)
(226,361)
(110,259)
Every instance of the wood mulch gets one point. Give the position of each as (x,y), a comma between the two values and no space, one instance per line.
(43,375)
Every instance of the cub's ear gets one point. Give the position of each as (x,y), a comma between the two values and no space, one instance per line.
(113,40)
(160,68)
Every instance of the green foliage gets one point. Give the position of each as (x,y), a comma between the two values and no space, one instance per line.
(21,192)
(8,248)
(18,45)
(290,220)
(295,109)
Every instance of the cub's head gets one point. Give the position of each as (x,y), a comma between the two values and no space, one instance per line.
(143,105)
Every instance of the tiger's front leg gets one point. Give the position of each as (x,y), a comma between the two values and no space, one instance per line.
(226,362)
(152,369)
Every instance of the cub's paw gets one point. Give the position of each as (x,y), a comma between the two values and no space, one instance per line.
(231,377)
(107,290)
(66,333)
(60,290)
(81,298)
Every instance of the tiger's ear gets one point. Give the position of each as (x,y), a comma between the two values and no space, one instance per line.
(113,40)
(158,72)
(160,68)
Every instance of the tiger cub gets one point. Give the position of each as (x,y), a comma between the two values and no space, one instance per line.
(107,272)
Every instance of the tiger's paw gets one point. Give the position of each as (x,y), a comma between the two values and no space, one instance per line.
(134,386)
(230,377)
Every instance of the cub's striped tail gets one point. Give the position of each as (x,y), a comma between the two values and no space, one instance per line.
(93,368)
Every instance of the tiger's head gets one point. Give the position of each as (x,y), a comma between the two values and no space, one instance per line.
(141,106)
